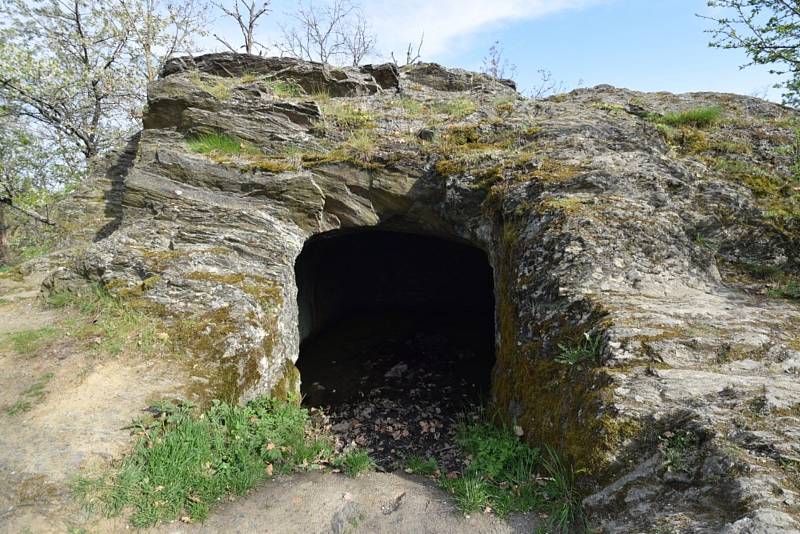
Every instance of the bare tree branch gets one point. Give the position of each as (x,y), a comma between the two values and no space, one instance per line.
(246,15)
(332,34)
(411,56)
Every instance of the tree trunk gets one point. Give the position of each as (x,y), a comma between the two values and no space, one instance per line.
(4,255)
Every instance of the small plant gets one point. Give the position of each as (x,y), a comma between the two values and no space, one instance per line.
(698,118)
(28,342)
(423,467)
(355,462)
(502,472)
(675,447)
(587,351)
(184,462)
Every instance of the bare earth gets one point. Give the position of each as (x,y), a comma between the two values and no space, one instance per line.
(78,427)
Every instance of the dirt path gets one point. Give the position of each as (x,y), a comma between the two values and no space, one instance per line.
(78,405)
(314,503)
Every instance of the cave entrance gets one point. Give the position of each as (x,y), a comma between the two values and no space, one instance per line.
(397,338)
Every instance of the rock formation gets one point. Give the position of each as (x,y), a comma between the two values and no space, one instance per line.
(661,247)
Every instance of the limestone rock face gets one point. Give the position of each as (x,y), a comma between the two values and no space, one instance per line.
(673,242)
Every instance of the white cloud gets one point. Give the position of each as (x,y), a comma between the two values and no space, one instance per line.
(446,22)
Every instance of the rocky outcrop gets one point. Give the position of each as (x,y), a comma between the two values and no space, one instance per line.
(663,247)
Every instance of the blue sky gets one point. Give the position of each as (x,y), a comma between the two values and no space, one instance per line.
(648,45)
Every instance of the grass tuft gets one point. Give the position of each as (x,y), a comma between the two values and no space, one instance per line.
(184,462)
(587,351)
(361,146)
(286,89)
(565,513)
(346,116)
(215,143)
(355,463)
(423,467)
(698,117)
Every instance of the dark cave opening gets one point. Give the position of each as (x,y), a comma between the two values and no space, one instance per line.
(397,338)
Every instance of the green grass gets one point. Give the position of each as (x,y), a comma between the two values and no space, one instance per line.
(503,470)
(457,108)
(346,116)
(211,143)
(424,467)
(218,87)
(472,493)
(361,146)
(788,290)
(28,342)
(185,462)
(116,326)
(411,106)
(355,462)
(30,396)
(587,351)
(286,89)
(506,475)
(698,117)
(565,513)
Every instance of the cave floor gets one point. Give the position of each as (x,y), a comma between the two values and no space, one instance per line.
(399,385)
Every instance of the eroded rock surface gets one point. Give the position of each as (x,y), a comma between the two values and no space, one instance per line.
(675,245)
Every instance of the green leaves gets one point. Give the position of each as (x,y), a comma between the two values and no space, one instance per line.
(768,31)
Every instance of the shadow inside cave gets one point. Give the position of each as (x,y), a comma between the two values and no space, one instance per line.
(397,338)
